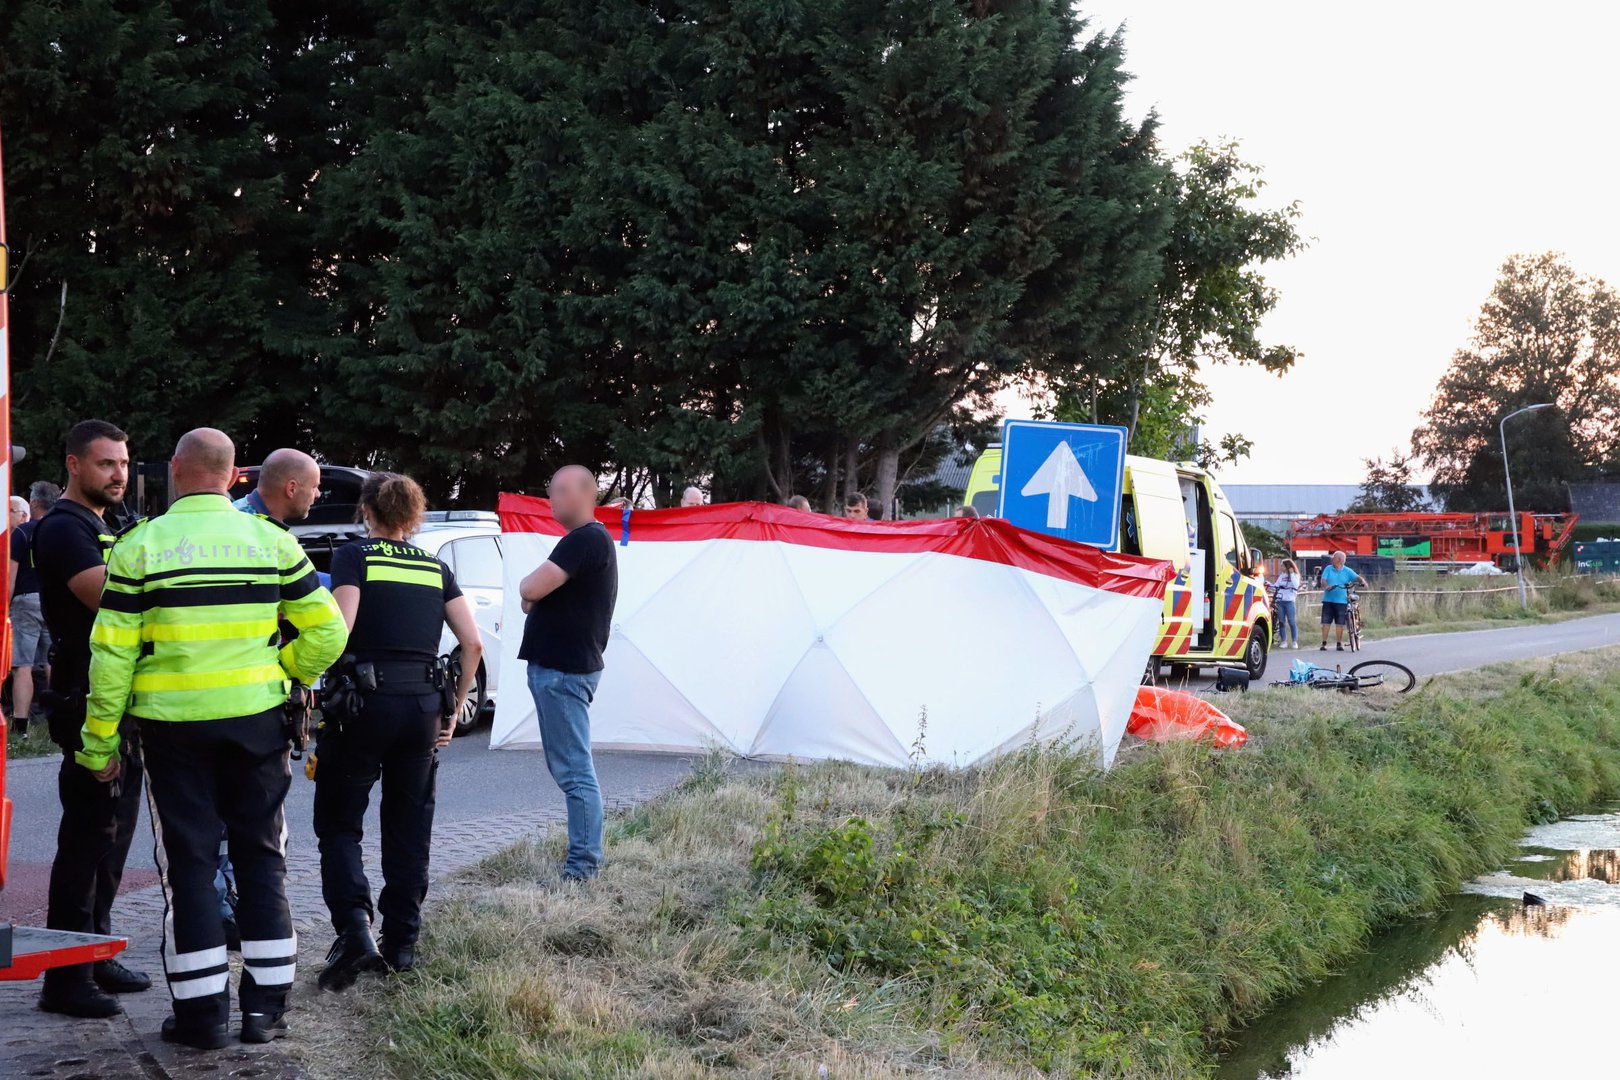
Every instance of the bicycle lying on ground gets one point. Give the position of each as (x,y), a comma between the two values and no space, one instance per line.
(1373,678)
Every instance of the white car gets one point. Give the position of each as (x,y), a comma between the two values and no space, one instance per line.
(469,541)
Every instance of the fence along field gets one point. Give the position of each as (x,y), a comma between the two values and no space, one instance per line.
(1420,601)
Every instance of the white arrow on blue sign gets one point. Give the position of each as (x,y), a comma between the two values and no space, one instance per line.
(1063,479)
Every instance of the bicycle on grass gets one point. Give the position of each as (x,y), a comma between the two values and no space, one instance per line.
(1370,678)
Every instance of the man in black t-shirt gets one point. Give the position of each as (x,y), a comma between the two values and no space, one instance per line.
(569,601)
(70,546)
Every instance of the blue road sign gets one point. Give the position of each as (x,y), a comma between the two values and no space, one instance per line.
(1063,479)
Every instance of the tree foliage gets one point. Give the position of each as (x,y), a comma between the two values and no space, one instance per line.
(1388,488)
(1546,334)
(1209,299)
(776,246)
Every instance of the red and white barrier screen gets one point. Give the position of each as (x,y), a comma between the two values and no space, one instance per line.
(768,631)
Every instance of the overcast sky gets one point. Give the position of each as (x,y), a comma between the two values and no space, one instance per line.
(1425,142)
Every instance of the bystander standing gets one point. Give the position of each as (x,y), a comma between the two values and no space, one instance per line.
(569,602)
(1284,601)
(1336,577)
(30,641)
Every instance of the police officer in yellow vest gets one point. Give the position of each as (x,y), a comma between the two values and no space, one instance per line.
(186,643)
(390,703)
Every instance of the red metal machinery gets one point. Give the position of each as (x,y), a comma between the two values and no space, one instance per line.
(24,952)
(1437,538)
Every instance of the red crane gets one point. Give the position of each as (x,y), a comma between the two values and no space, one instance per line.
(1439,538)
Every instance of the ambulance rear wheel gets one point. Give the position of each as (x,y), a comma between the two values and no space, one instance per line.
(1254,657)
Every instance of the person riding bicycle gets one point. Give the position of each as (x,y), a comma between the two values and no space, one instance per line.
(1336,577)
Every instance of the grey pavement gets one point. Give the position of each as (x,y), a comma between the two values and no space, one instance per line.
(474,784)
(487,801)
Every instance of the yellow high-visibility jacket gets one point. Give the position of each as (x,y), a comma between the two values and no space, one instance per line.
(188,626)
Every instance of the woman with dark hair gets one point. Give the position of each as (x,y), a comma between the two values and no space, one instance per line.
(385,714)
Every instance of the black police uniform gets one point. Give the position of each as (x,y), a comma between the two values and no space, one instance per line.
(98,820)
(391,733)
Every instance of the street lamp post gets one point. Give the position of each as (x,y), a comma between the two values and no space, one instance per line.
(1513,517)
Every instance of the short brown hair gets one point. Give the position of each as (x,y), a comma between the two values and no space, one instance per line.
(85,432)
(396,501)
(857,499)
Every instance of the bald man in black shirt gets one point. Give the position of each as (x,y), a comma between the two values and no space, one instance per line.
(569,600)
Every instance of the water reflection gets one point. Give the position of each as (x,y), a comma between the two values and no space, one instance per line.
(1478,990)
(1546,865)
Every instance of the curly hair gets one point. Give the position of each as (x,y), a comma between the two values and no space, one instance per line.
(395,501)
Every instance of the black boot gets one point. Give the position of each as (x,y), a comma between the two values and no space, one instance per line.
(263,1027)
(115,978)
(352,955)
(70,991)
(200,1037)
(400,956)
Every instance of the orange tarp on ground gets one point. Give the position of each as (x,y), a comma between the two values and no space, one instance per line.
(1171,715)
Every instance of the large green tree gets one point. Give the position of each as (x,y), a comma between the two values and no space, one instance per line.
(1547,334)
(1209,301)
(773,244)
(779,245)
(146,174)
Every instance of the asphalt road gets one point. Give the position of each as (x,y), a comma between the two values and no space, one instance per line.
(476,784)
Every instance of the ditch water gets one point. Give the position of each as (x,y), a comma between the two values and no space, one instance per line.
(1482,989)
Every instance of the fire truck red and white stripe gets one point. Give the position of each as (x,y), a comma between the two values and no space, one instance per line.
(24,952)
(770,632)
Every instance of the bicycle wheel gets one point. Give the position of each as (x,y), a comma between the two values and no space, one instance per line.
(1383,678)
(1355,628)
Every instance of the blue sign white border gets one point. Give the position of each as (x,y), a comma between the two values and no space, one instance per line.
(1121,433)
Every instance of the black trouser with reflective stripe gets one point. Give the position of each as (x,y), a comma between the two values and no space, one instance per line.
(392,737)
(92,843)
(205,777)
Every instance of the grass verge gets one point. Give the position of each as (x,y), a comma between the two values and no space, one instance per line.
(1030,916)
(37,743)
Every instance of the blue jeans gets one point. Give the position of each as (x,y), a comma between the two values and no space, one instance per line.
(1287,621)
(225,884)
(563,701)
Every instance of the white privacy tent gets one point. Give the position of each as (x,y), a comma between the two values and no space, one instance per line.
(768,631)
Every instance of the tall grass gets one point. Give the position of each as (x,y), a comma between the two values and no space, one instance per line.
(1030,916)
(36,743)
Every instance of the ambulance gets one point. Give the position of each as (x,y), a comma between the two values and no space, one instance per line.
(1216,611)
